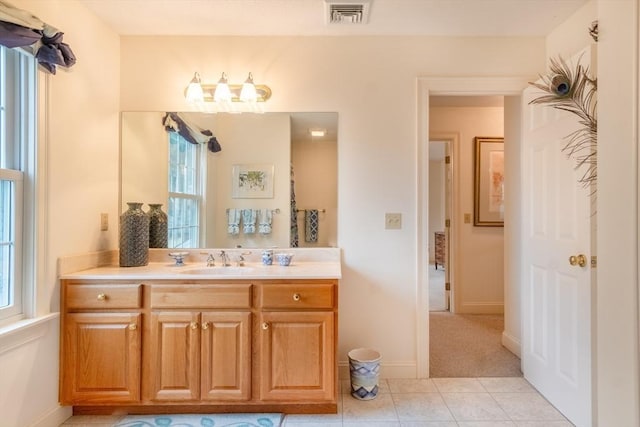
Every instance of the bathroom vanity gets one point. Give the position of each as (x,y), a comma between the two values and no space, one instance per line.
(160,338)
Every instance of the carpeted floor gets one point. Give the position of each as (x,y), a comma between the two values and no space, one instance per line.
(469,345)
(202,420)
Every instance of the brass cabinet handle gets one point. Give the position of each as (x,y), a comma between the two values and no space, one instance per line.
(194,325)
(133,326)
(205,325)
(102,297)
(296,297)
(265,326)
(580,260)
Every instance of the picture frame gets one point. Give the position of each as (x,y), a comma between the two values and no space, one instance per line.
(489,182)
(252,181)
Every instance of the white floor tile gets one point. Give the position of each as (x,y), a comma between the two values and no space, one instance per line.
(474,407)
(506,385)
(421,407)
(527,407)
(411,386)
(458,385)
(379,409)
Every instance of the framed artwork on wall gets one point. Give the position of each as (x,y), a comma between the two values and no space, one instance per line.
(252,181)
(489,182)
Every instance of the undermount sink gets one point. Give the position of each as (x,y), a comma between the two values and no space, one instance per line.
(217,270)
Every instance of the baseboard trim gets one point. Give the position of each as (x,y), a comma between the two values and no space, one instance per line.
(387,370)
(511,344)
(54,417)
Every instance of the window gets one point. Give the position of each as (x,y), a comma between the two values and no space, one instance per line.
(185,194)
(17,143)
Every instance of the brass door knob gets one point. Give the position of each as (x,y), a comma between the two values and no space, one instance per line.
(133,326)
(296,297)
(580,260)
(265,326)
(205,325)
(102,297)
(194,325)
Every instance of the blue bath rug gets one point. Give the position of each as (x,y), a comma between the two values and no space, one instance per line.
(202,420)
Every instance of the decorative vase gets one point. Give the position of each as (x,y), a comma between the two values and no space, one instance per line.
(158,226)
(134,236)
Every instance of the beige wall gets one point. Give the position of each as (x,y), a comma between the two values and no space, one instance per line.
(617,347)
(144,159)
(478,285)
(315,166)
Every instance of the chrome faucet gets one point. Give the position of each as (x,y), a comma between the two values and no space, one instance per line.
(225,259)
(210,261)
(240,259)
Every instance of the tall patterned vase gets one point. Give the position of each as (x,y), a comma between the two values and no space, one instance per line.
(134,236)
(158,226)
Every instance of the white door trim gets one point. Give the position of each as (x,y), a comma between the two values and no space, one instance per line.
(426,87)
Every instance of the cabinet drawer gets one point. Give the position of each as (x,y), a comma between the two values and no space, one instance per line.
(201,296)
(296,296)
(103,296)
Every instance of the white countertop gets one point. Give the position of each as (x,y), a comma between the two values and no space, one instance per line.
(192,271)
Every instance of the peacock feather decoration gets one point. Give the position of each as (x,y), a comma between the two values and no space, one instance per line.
(571,89)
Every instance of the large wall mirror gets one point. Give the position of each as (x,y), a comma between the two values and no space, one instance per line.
(262,157)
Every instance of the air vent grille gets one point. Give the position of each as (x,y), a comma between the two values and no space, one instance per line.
(340,12)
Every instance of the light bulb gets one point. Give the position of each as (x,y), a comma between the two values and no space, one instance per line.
(195,93)
(248,92)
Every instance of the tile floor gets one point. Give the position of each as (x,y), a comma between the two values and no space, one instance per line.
(437,402)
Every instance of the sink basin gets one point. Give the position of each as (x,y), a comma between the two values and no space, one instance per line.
(217,271)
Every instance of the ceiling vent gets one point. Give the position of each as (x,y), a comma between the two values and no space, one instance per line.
(347,12)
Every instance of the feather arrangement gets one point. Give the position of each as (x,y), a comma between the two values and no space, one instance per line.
(572,90)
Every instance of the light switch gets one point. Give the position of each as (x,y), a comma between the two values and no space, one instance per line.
(467,218)
(392,221)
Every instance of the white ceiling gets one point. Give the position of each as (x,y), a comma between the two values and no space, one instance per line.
(307,17)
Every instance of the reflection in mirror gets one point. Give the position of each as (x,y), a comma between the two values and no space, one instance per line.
(210,196)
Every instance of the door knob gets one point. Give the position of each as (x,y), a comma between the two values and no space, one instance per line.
(580,260)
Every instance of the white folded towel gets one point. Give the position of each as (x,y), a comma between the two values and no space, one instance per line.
(249,217)
(264,225)
(233,221)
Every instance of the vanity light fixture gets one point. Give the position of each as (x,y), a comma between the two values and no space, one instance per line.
(225,93)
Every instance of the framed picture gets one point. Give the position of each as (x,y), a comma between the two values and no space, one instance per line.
(253,181)
(489,182)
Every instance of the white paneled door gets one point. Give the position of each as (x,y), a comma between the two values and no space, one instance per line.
(557,289)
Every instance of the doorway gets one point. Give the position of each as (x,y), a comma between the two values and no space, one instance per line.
(466,342)
(428,87)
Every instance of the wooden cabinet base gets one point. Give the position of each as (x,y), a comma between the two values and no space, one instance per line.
(285,408)
(202,346)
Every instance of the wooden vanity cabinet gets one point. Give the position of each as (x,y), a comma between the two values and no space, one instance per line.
(214,345)
(101,343)
(199,346)
(297,340)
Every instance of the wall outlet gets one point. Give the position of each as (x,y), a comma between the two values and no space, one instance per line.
(392,221)
(104,221)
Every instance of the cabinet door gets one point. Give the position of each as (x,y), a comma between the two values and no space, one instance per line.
(297,356)
(101,358)
(226,356)
(174,353)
